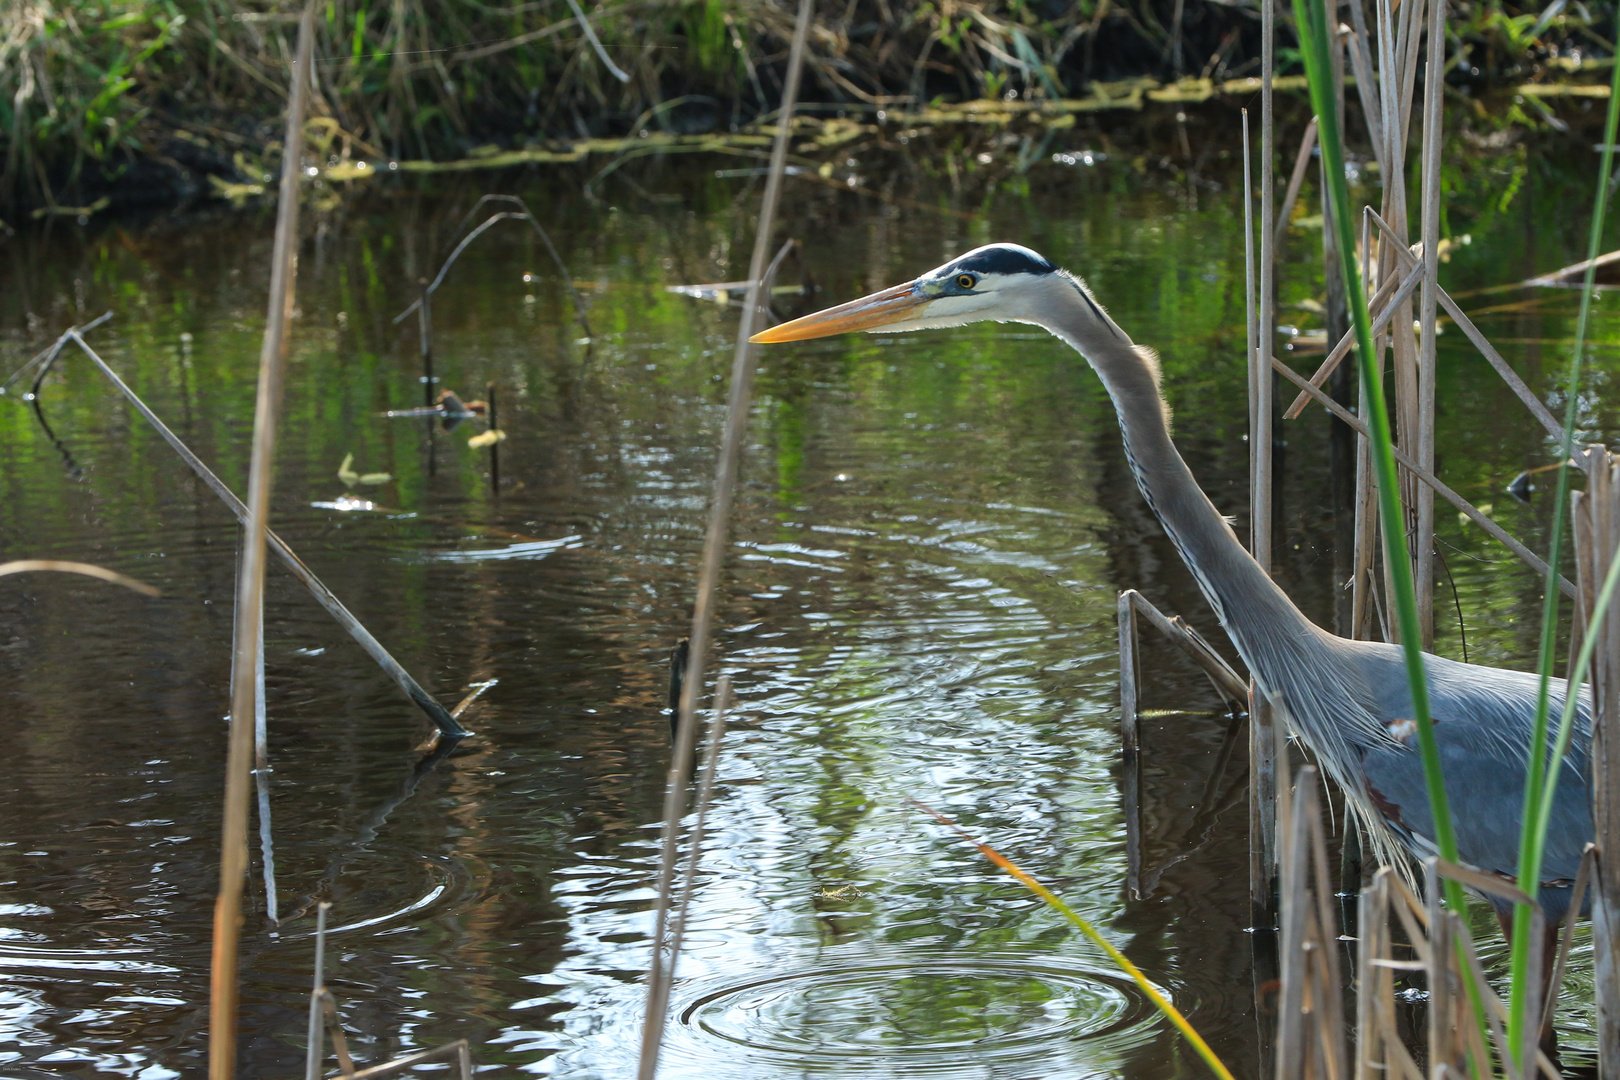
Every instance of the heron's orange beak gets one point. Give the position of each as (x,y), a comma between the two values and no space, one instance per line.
(869,312)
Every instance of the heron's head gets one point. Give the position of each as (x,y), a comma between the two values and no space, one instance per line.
(997,282)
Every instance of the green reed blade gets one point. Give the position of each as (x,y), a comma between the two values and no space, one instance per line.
(1541,776)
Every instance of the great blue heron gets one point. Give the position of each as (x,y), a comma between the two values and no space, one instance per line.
(1348,700)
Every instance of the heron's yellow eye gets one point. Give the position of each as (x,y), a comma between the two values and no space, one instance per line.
(967,281)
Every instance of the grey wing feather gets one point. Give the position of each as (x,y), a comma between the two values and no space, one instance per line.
(1483,719)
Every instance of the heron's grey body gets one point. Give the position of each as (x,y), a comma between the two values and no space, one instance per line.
(1350,701)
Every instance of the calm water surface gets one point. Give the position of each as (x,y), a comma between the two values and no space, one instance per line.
(919,602)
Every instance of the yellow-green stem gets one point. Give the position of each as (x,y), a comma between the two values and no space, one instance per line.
(1163,1004)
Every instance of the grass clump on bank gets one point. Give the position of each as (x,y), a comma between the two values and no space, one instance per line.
(146,99)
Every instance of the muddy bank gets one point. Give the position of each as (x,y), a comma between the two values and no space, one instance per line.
(168,104)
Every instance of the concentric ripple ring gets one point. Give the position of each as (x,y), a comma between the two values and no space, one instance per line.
(936,1014)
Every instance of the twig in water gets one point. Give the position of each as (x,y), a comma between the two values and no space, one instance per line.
(312,1053)
(250,581)
(323,1007)
(475,692)
(23,566)
(714,544)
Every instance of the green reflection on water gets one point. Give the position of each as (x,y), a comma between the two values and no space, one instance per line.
(932,529)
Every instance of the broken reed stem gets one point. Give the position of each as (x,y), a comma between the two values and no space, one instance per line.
(1473,514)
(317,588)
(1249,325)
(523,214)
(250,580)
(47,356)
(714,543)
(313,1055)
(1434,76)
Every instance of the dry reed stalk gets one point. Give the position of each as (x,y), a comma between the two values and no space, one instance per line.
(1443,949)
(1596,518)
(1433,482)
(1130,781)
(1296,180)
(1432,133)
(43,360)
(743,365)
(1541,413)
(1250,326)
(1262,762)
(324,1018)
(1383,305)
(1227,682)
(1310,1042)
(261,779)
(312,1052)
(1260,432)
(323,595)
(1363,582)
(250,581)
(723,701)
(24,566)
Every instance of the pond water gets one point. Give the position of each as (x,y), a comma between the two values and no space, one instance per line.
(919,602)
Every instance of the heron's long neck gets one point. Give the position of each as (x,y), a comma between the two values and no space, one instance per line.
(1268,630)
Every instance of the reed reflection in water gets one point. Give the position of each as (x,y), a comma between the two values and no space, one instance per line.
(921,595)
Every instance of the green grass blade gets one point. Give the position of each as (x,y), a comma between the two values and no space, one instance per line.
(1540,775)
